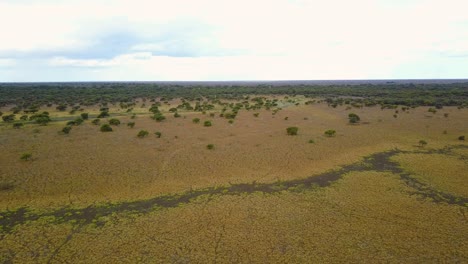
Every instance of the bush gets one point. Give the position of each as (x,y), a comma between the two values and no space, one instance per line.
(311,141)
(66,130)
(422,143)
(8,118)
(114,122)
(106,128)
(26,156)
(96,121)
(292,131)
(353,118)
(196,120)
(158,134)
(131,124)
(142,133)
(18,125)
(231,121)
(159,117)
(176,115)
(461,138)
(207,123)
(84,116)
(210,146)
(330,133)
(256,114)
(103,114)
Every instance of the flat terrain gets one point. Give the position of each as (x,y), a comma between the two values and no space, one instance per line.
(370,193)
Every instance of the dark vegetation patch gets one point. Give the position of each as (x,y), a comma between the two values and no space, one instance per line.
(377,162)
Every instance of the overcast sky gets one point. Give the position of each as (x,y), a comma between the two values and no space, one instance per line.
(152,40)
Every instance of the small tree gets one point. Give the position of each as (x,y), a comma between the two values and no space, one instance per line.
(106,128)
(8,118)
(292,131)
(26,156)
(142,133)
(311,141)
(256,114)
(159,117)
(18,125)
(353,118)
(422,143)
(103,114)
(330,133)
(84,116)
(114,122)
(207,123)
(66,130)
(96,121)
(196,120)
(210,146)
(131,124)
(461,138)
(176,115)
(158,134)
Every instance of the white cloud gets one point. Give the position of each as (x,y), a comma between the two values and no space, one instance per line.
(275,39)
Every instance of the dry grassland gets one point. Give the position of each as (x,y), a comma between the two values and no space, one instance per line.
(366,216)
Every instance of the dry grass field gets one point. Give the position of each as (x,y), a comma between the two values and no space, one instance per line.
(370,214)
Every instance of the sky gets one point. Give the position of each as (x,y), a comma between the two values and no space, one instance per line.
(218,40)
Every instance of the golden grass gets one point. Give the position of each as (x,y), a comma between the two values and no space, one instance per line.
(365,217)
(442,172)
(88,166)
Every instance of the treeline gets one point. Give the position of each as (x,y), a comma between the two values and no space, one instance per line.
(24,96)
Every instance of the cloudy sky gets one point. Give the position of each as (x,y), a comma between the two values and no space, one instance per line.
(151,40)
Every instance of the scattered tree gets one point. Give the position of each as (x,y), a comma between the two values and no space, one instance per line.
(26,156)
(196,120)
(292,131)
(461,138)
(114,122)
(422,143)
(106,128)
(158,134)
(142,133)
(131,124)
(96,121)
(84,116)
(18,125)
(103,114)
(353,118)
(207,123)
(66,130)
(330,133)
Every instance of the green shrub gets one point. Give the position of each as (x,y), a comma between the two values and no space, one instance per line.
(106,128)
(311,141)
(114,122)
(461,138)
(207,123)
(96,121)
(142,133)
(158,134)
(210,146)
(84,116)
(422,143)
(66,130)
(330,133)
(131,124)
(196,120)
(26,156)
(292,131)
(353,118)
(18,125)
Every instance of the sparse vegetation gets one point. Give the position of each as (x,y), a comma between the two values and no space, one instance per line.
(330,133)
(106,128)
(292,131)
(142,133)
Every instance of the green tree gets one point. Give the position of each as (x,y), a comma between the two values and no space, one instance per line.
(422,143)
(67,129)
(8,118)
(84,116)
(207,123)
(142,133)
(292,131)
(158,134)
(353,118)
(210,146)
(196,120)
(96,121)
(103,114)
(18,125)
(461,138)
(330,133)
(131,124)
(26,156)
(106,128)
(159,117)
(114,122)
